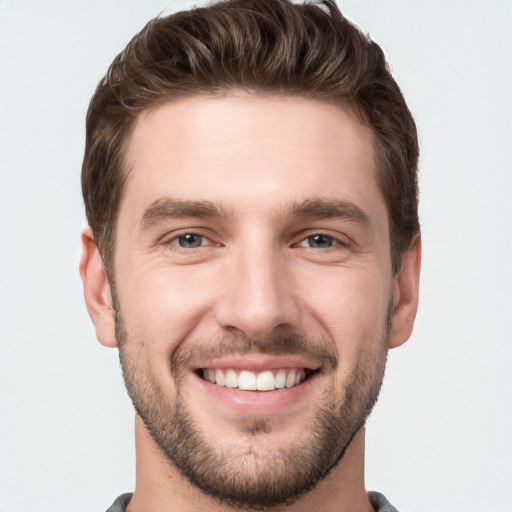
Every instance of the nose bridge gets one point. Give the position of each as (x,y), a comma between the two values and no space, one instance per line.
(258,295)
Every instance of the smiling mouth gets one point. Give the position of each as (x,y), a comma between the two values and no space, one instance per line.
(246,380)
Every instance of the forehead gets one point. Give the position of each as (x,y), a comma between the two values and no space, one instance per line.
(248,151)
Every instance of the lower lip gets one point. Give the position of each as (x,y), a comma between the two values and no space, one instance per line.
(257,402)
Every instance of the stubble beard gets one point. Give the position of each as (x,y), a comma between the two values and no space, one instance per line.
(251,476)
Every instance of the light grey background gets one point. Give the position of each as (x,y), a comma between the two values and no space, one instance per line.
(441,436)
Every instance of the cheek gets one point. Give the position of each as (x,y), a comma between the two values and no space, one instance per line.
(352,308)
(164,305)
(349,298)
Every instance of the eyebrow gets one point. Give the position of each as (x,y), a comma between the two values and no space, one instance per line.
(329,209)
(168,208)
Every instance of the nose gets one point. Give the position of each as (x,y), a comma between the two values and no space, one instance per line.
(258,294)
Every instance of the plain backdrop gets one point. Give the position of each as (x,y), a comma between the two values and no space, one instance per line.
(440,438)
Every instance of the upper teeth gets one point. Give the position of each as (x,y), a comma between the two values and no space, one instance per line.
(267,380)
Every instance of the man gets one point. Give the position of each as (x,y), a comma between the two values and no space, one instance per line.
(253,250)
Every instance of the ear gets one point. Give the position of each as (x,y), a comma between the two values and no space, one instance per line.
(406,295)
(98,298)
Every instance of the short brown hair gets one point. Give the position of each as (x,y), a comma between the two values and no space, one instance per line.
(261,46)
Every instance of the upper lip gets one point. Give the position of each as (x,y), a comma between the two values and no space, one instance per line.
(259,362)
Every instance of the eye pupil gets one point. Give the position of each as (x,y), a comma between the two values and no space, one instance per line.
(190,241)
(320,241)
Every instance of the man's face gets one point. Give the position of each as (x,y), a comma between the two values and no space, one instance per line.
(254,289)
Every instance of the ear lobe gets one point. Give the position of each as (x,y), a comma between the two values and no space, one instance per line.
(98,298)
(406,295)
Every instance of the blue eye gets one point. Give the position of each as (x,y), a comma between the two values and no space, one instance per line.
(190,241)
(320,241)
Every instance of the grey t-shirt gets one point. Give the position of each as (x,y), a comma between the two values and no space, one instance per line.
(378,501)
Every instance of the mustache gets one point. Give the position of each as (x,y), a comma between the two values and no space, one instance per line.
(240,345)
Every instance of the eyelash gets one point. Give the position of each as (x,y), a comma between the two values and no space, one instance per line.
(306,241)
(309,240)
(175,241)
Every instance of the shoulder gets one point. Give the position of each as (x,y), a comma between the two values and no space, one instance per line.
(380,503)
(120,504)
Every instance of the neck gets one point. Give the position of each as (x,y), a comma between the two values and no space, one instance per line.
(159,485)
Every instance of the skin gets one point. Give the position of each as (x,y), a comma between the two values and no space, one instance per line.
(257,273)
